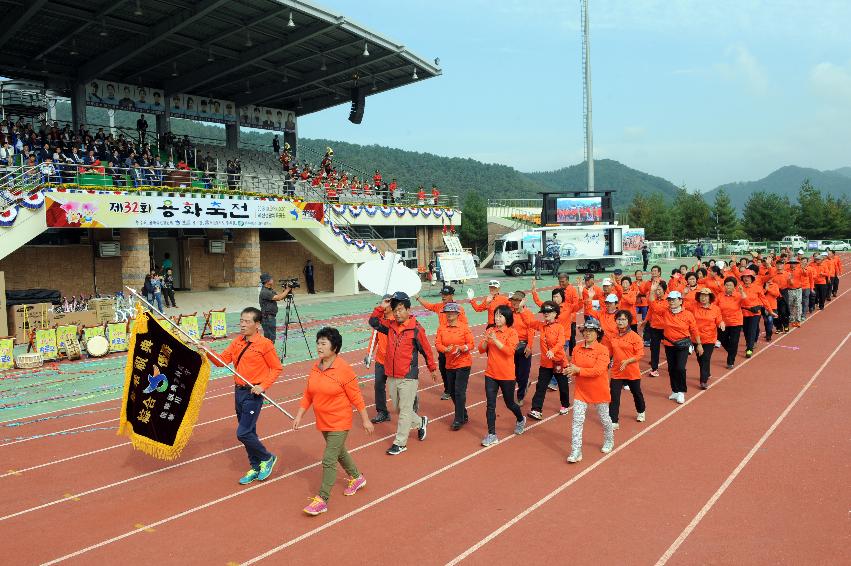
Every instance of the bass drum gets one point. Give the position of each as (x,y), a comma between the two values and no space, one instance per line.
(97,346)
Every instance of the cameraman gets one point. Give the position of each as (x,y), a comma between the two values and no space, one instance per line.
(269,305)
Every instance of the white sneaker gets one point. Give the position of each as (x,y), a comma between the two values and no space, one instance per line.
(626,387)
(718,343)
(564,410)
(672,396)
(574,457)
(615,426)
(607,447)
(681,398)
(640,417)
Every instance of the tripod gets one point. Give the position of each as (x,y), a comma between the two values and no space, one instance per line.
(291,307)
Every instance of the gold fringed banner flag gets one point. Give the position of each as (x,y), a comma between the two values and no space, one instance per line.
(164,385)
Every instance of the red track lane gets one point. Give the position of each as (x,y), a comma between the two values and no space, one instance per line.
(787,495)
(665,477)
(179,489)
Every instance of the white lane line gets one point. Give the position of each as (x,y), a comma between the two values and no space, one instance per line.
(745,461)
(538,504)
(248,490)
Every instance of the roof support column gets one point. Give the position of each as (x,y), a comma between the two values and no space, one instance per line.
(78,105)
(164,121)
(232,136)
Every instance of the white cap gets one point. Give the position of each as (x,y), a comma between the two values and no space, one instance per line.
(721,264)
(800,252)
(611,298)
(675,295)
(607,281)
(823,254)
(494,283)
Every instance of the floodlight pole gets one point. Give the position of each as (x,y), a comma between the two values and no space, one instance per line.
(586,93)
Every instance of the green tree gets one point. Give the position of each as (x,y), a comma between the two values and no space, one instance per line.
(659,227)
(474,223)
(766,216)
(724,215)
(811,213)
(837,217)
(691,215)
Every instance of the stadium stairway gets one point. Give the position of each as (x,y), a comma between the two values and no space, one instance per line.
(28,225)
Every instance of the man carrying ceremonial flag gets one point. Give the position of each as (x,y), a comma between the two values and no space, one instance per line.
(254,357)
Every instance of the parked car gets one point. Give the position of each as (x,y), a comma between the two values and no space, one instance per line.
(835,245)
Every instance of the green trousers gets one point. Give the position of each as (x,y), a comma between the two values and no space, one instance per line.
(335,451)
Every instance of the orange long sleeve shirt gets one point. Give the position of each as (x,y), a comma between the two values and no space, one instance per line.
(332,392)
(523,325)
(624,347)
(678,326)
(552,340)
(437,308)
(490,307)
(259,364)
(707,319)
(592,382)
(450,336)
(731,308)
(500,364)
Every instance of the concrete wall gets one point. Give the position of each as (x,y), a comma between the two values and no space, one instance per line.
(287,259)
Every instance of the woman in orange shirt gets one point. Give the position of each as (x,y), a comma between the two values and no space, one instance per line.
(679,330)
(730,305)
(499,343)
(629,299)
(707,315)
(655,310)
(455,342)
(332,389)
(627,349)
(523,325)
(752,305)
(553,359)
(589,369)
(769,313)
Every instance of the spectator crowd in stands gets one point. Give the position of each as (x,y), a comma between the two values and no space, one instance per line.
(58,154)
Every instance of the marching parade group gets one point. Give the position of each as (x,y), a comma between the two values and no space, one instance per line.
(712,305)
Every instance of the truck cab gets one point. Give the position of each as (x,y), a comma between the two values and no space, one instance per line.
(514,252)
(796,242)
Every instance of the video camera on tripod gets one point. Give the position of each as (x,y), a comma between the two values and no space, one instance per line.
(290,283)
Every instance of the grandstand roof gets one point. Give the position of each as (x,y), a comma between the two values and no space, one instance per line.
(241,50)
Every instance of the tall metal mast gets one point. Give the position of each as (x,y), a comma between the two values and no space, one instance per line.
(586,93)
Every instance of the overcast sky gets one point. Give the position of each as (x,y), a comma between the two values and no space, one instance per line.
(701,92)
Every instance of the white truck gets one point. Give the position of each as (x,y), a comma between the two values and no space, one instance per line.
(744,246)
(590,248)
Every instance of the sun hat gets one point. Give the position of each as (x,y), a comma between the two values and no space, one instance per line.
(611,298)
(675,295)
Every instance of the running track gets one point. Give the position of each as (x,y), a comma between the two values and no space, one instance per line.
(754,470)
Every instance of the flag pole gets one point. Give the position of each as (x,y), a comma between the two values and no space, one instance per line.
(392,260)
(198,344)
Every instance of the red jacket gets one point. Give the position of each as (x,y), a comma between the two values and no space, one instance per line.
(403,343)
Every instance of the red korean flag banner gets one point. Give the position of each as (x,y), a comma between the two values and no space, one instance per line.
(164,386)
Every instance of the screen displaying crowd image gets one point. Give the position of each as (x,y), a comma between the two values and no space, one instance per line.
(570,243)
(633,239)
(572,210)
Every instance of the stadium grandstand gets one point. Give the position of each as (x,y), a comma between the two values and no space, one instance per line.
(256,64)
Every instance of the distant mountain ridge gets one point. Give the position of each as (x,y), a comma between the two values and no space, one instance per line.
(786,181)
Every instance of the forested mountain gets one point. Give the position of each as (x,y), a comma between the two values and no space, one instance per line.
(786,181)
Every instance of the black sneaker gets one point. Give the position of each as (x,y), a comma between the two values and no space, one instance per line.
(704,385)
(423,430)
(456,426)
(395,450)
(381,417)
(729,366)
